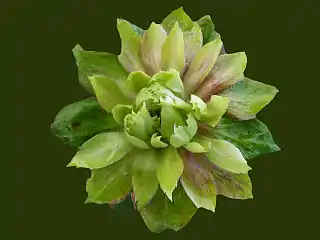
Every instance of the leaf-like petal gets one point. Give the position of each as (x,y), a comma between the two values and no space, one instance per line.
(177,15)
(137,80)
(199,144)
(248,97)
(170,168)
(228,70)
(120,112)
(130,46)
(208,29)
(157,143)
(201,65)
(101,150)
(226,156)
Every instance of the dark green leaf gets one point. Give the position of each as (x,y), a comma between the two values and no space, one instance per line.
(79,121)
(208,30)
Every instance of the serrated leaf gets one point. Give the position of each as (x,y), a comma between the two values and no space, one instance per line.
(81,120)
(172,54)
(199,144)
(157,143)
(198,183)
(177,15)
(211,112)
(130,46)
(137,80)
(120,111)
(201,65)
(226,156)
(101,150)
(228,70)
(170,168)
(108,92)
(162,214)
(171,80)
(144,177)
(231,185)
(208,29)
(151,48)
(110,183)
(251,137)
(91,63)
(248,97)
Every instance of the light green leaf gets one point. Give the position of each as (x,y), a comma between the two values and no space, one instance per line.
(170,168)
(101,150)
(151,48)
(139,124)
(120,112)
(108,92)
(130,46)
(251,137)
(226,156)
(199,144)
(192,42)
(231,185)
(201,65)
(198,183)
(144,177)
(157,143)
(162,214)
(208,29)
(110,183)
(136,141)
(170,117)
(137,80)
(172,55)
(178,15)
(228,70)
(211,112)
(81,120)
(248,97)
(170,79)
(91,63)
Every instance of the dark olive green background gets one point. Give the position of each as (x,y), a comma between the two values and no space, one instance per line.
(50,197)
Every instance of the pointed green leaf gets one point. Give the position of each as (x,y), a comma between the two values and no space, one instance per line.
(172,55)
(231,185)
(248,97)
(226,156)
(108,92)
(170,168)
(201,65)
(198,183)
(101,150)
(180,137)
(199,144)
(228,70)
(208,29)
(162,214)
(211,112)
(137,80)
(151,48)
(157,143)
(170,117)
(251,137)
(81,120)
(178,15)
(170,79)
(120,112)
(130,46)
(192,42)
(91,63)
(144,177)
(110,183)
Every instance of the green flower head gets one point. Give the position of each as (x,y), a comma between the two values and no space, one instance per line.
(172,121)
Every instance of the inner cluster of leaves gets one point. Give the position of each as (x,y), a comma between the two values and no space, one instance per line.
(174,121)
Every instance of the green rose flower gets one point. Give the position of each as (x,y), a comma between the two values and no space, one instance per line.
(173,121)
